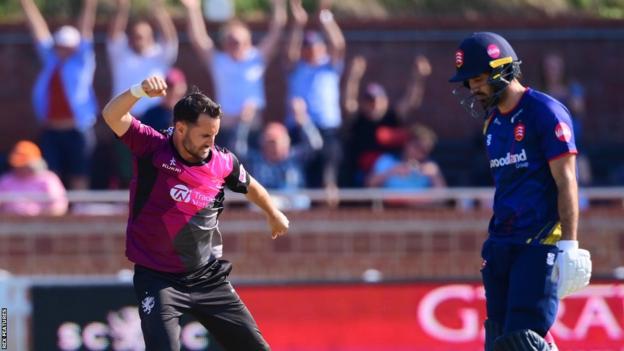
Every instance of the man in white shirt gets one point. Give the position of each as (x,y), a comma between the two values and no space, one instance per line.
(137,55)
(238,70)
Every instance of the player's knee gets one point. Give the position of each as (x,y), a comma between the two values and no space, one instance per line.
(492,331)
(521,340)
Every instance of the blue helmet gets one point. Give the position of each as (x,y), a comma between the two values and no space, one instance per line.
(483,52)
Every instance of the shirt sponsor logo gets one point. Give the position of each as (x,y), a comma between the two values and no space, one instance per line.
(509,159)
(459,58)
(493,51)
(519,132)
(563,132)
(180,193)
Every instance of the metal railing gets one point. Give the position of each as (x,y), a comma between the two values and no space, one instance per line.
(457,197)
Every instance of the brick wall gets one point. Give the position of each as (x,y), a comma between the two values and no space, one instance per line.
(323,244)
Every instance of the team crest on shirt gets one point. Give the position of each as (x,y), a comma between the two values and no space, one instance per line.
(563,132)
(519,132)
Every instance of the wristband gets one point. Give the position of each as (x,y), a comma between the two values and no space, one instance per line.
(326,16)
(137,91)
(566,245)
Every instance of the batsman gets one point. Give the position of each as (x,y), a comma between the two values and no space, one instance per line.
(531,258)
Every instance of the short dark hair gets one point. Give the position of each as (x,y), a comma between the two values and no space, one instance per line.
(192,105)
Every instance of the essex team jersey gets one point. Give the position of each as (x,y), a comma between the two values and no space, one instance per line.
(174,204)
(520,144)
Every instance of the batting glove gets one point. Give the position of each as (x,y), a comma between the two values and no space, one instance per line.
(573,268)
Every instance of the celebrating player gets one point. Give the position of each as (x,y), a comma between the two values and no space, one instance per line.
(176,197)
(531,257)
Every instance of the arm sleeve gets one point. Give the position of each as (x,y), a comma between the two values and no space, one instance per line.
(238,179)
(58,195)
(218,58)
(311,141)
(142,139)
(86,50)
(339,66)
(555,131)
(383,163)
(4,187)
(44,49)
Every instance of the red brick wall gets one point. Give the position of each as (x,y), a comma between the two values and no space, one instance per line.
(323,244)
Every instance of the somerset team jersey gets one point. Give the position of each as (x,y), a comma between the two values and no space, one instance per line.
(174,204)
(520,145)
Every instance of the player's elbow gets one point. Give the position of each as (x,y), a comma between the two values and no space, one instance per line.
(108,114)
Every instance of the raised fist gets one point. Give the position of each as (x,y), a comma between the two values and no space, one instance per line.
(154,86)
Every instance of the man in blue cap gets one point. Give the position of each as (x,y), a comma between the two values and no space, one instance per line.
(531,258)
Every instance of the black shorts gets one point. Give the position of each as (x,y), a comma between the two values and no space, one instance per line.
(205,294)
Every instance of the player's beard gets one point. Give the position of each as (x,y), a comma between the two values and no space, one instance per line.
(197,153)
(490,101)
(484,100)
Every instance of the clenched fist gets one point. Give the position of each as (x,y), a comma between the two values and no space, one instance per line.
(154,86)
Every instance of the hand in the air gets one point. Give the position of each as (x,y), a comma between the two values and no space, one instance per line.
(154,86)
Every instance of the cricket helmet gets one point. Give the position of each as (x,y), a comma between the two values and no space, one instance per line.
(486,52)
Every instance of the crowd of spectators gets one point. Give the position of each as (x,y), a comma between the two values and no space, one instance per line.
(327,139)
